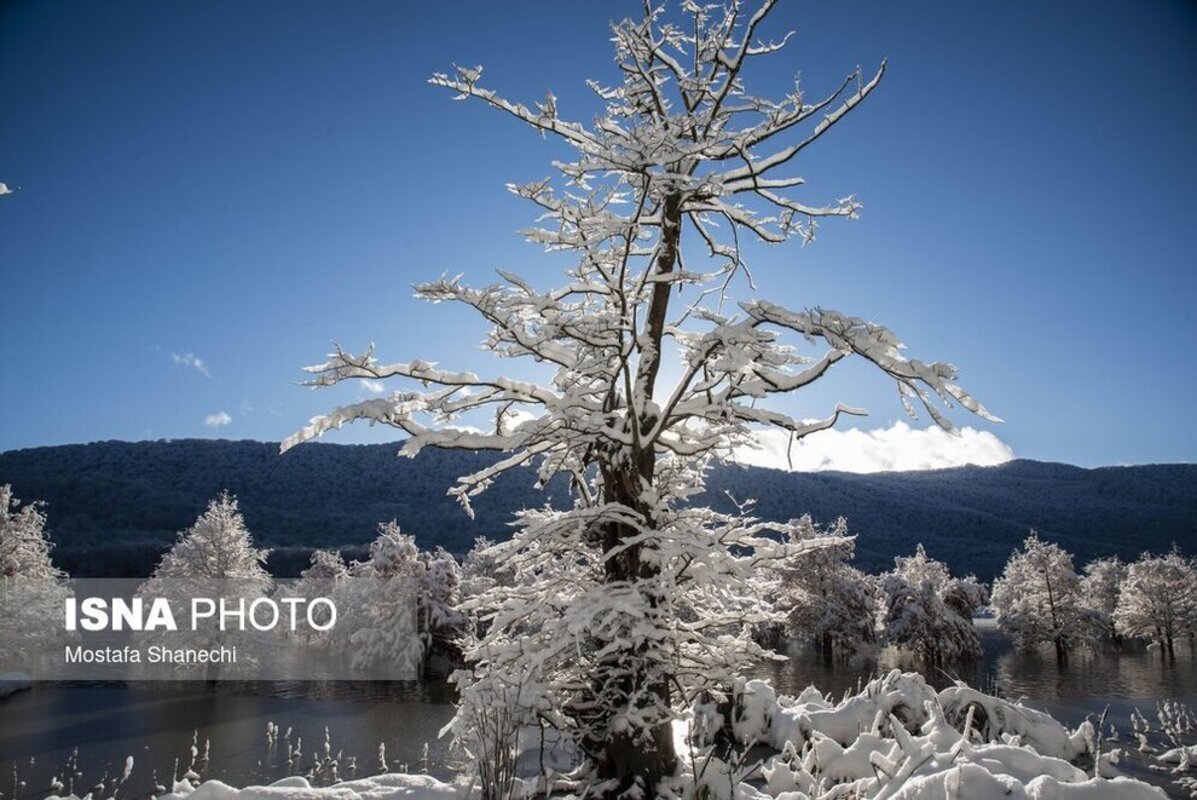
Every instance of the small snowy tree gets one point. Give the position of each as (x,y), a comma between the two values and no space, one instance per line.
(1101,585)
(1158,599)
(681,163)
(217,547)
(925,610)
(827,601)
(325,565)
(1038,598)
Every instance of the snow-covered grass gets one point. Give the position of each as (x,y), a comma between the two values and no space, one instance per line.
(381,787)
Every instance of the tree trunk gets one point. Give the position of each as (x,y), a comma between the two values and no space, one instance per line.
(631,758)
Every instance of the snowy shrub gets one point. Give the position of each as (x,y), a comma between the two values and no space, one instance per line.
(925,610)
(325,576)
(385,592)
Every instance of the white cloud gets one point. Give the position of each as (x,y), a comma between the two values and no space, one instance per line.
(4,189)
(191,360)
(217,420)
(897,448)
(372,386)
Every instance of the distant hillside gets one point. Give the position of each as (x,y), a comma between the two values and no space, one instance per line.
(114,505)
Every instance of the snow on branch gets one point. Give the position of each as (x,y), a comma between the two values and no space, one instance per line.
(877,344)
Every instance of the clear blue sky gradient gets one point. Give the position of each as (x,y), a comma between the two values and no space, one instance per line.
(250,181)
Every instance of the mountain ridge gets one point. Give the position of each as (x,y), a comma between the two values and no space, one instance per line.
(114,505)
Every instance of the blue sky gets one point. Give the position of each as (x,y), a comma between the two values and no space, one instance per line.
(243,183)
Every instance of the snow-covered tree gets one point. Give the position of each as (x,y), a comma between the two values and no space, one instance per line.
(24,545)
(217,547)
(325,565)
(643,371)
(214,558)
(1101,584)
(440,621)
(1038,598)
(1158,600)
(31,594)
(927,611)
(403,601)
(325,576)
(384,592)
(828,601)
(481,569)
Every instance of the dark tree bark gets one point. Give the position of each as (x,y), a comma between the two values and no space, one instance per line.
(625,759)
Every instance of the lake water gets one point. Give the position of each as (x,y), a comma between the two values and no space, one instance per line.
(156,723)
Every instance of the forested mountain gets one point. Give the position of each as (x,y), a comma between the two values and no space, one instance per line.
(113,506)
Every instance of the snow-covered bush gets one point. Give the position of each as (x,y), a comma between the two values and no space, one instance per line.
(657,597)
(482,569)
(440,620)
(1038,598)
(827,601)
(899,738)
(1158,600)
(925,610)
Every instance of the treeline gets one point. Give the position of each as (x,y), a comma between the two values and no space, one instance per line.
(1042,597)
(113,507)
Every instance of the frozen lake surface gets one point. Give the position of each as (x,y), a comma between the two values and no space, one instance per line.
(155,723)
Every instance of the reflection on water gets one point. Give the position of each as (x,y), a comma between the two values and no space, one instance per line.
(1136,673)
(155,722)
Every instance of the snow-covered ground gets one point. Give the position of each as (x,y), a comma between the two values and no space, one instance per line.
(895,739)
